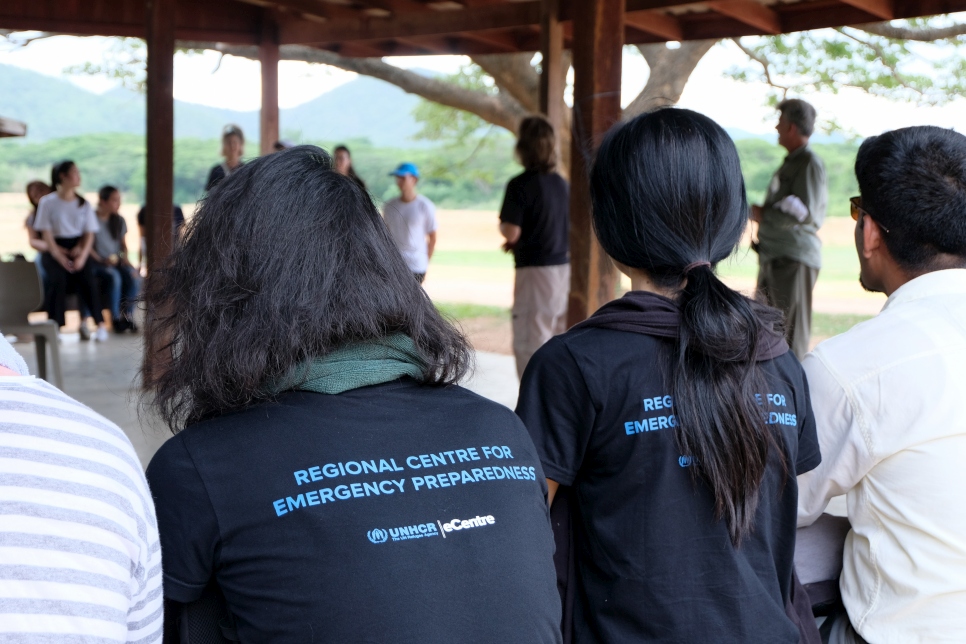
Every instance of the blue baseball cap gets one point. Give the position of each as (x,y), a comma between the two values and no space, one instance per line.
(405,169)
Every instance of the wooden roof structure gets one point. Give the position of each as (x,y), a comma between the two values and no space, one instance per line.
(594,30)
(10,127)
(412,27)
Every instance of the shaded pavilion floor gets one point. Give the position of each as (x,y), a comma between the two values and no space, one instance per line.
(104,376)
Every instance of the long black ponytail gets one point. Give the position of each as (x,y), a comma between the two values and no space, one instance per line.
(669,199)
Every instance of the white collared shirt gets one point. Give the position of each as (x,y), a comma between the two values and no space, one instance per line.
(888,398)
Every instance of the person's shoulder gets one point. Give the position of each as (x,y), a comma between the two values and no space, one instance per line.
(71,422)
(812,158)
(426,202)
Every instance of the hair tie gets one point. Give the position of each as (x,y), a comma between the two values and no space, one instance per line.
(693,265)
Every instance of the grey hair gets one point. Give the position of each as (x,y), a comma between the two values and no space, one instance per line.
(800,114)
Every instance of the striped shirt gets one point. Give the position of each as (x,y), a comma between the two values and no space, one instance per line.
(80,559)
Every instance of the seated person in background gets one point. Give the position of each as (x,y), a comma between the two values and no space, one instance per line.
(177,223)
(888,398)
(36,190)
(110,260)
(232,148)
(677,414)
(67,223)
(411,218)
(327,472)
(81,558)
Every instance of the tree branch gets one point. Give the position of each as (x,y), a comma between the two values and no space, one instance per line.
(920,34)
(884,60)
(501,109)
(669,70)
(765,65)
(514,74)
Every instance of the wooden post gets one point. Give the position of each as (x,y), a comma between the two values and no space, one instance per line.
(551,76)
(268,57)
(160,130)
(597,47)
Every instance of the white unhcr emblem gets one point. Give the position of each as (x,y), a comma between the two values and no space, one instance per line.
(377,535)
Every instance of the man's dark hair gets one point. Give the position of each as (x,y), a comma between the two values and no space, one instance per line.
(669,198)
(913,182)
(537,144)
(285,262)
(800,114)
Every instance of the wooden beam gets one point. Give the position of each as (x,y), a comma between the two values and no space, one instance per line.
(551,75)
(268,56)
(655,23)
(409,25)
(750,13)
(501,40)
(597,52)
(881,9)
(160,130)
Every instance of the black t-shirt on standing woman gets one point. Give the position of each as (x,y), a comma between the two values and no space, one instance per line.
(540,204)
(392,513)
(652,564)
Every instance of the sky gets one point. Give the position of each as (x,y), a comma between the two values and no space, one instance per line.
(230,82)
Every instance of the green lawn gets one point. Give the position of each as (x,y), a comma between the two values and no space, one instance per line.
(839,263)
(473,258)
(464,311)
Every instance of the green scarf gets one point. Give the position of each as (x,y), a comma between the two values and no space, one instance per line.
(358,365)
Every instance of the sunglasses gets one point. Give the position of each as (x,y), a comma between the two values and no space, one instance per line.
(857,211)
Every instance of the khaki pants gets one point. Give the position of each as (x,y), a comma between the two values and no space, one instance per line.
(539,308)
(788,286)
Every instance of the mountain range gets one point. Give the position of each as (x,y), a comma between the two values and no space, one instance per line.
(362,108)
(55,107)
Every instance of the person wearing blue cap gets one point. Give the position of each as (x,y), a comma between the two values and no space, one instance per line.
(411,218)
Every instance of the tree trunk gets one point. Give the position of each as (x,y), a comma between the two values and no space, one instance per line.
(670,70)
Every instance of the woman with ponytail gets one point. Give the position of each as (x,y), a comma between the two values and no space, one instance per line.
(67,224)
(675,419)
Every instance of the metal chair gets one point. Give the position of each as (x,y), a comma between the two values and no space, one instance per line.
(22,293)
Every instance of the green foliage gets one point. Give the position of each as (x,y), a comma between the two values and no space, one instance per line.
(828,60)
(760,159)
(124,61)
(459,175)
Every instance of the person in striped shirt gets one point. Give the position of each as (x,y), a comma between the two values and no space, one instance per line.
(80,558)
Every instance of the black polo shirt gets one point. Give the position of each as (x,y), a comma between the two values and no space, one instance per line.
(393,513)
(539,203)
(652,563)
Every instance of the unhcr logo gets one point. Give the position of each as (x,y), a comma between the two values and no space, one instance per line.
(378,535)
(403,533)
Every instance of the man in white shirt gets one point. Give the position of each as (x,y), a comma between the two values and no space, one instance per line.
(888,396)
(80,559)
(411,218)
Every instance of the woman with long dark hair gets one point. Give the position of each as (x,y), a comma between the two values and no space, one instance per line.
(67,222)
(111,261)
(676,417)
(343,165)
(328,475)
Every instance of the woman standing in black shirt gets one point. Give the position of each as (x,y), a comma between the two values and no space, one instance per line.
(535,221)
(330,477)
(675,416)
(232,148)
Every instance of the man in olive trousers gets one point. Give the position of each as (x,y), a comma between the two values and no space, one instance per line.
(789,250)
